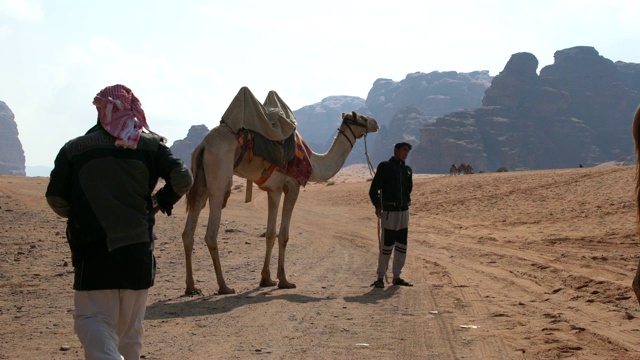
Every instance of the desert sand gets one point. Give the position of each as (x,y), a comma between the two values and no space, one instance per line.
(514,265)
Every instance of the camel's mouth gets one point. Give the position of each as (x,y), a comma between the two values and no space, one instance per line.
(368,123)
(372,126)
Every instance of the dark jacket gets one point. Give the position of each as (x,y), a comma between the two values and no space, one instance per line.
(105,192)
(394,181)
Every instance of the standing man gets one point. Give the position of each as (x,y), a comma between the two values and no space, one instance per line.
(390,193)
(102,183)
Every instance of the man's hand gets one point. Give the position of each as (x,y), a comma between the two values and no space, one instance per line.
(378,212)
(156,205)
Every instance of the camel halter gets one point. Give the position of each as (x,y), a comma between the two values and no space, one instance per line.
(354,122)
(348,123)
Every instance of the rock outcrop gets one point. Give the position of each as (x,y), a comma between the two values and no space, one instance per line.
(182,149)
(419,98)
(406,122)
(434,94)
(317,123)
(12,160)
(577,111)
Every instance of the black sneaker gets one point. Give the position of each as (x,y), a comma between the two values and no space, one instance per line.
(379,284)
(401,282)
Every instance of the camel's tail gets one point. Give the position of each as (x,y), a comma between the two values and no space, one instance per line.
(636,139)
(199,179)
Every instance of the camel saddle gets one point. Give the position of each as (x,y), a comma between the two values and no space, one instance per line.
(277,153)
(268,130)
(274,119)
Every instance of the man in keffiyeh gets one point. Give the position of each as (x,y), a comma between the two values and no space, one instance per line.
(103,182)
(121,114)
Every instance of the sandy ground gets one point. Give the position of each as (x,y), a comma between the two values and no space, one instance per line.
(517,265)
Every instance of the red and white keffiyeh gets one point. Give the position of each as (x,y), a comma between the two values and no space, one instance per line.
(121,114)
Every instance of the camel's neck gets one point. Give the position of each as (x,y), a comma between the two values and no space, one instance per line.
(326,165)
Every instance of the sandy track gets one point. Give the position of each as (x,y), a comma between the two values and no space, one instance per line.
(531,265)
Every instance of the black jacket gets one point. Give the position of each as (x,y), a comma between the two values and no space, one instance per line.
(394,181)
(105,192)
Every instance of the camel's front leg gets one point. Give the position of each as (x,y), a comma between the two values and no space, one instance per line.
(291,195)
(270,236)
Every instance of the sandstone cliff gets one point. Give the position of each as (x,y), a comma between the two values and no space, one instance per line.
(434,94)
(317,123)
(182,149)
(402,109)
(576,111)
(419,98)
(12,160)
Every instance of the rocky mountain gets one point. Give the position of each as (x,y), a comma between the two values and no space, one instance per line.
(405,125)
(576,111)
(318,123)
(182,149)
(434,94)
(12,160)
(401,108)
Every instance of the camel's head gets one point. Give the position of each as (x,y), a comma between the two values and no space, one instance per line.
(359,125)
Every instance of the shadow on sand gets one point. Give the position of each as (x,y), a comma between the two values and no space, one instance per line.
(199,305)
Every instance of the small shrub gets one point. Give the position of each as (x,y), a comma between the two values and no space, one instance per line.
(502,169)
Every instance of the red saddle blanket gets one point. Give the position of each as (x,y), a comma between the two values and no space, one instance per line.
(300,167)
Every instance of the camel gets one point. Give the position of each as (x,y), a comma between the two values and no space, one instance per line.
(213,168)
(636,138)
(453,170)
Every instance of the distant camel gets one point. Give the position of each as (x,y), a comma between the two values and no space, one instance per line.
(213,167)
(465,169)
(453,170)
(636,138)
(462,168)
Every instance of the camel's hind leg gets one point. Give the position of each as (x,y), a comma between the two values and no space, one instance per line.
(291,190)
(270,235)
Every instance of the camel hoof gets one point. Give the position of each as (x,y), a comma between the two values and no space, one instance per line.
(226,290)
(192,292)
(286,285)
(267,283)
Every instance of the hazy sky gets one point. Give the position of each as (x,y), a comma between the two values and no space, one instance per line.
(186,60)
